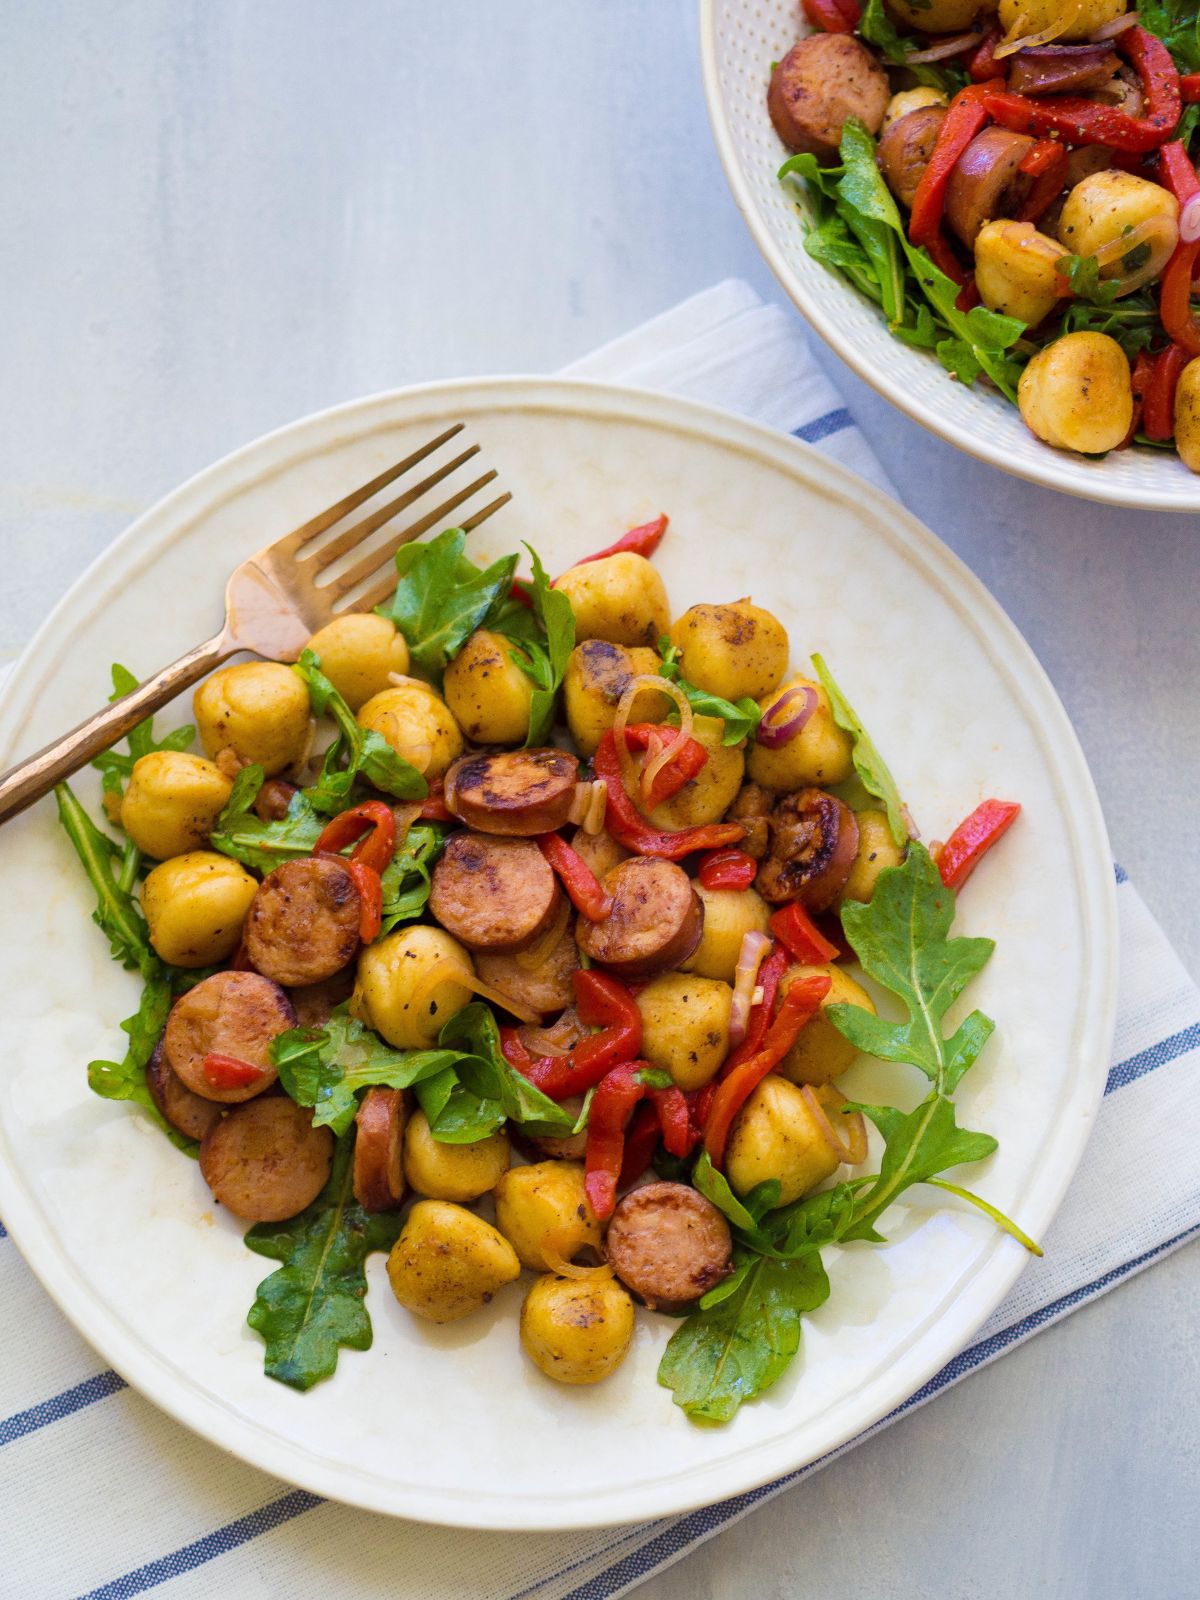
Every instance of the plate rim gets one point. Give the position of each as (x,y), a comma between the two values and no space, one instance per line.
(990,1276)
(1058,471)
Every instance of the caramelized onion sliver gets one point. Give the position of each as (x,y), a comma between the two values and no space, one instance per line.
(580,800)
(1015,40)
(535,955)
(406,813)
(854,1149)
(555,1245)
(295,773)
(1114,29)
(597,807)
(1160,233)
(646,680)
(750,957)
(944,49)
(557,1040)
(448,971)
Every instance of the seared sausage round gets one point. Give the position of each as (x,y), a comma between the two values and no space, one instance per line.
(546,987)
(187,1112)
(520,792)
(265,1161)
(752,808)
(230,1014)
(987,182)
(302,925)
(814,839)
(314,1002)
(571,1146)
(656,919)
(905,149)
(819,84)
(493,893)
(379,1150)
(668,1244)
(273,799)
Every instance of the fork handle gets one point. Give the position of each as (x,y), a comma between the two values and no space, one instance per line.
(37,774)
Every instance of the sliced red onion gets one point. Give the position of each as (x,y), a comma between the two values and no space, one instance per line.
(787,716)
(1189,220)
(754,947)
(1113,29)
(947,47)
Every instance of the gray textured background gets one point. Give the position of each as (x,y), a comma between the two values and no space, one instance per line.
(219,215)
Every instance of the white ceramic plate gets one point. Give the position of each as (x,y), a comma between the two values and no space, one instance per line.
(454,1425)
(739,39)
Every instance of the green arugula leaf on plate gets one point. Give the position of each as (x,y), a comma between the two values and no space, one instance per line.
(126,1079)
(366,754)
(543,633)
(877,28)
(245,837)
(870,766)
(486,1077)
(741,718)
(442,597)
(328,1067)
(112,873)
(1177,24)
(406,878)
(115,767)
(315,1303)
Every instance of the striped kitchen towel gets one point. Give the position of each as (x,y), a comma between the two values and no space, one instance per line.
(102,1495)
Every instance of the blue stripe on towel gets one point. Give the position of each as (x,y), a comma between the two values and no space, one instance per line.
(62,1405)
(824,427)
(1155,1055)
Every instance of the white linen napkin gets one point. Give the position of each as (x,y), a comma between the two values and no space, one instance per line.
(103,1496)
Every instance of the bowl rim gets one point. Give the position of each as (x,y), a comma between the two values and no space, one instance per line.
(1066,473)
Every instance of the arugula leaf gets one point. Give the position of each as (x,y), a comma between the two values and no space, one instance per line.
(327,1067)
(740,718)
(442,597)
(901,938)
(1177,24)
(406,878)
(315,1302)
(458,1113)
(744,1341)
(870,766)
(368,755)
(870,212)
(1083,274)
(117,911)
(263,845)
(877,28)
(714,1186)
(545,663)
(126,1079)
(1133,321)
(918,1144)
(485,1075)
(115,767)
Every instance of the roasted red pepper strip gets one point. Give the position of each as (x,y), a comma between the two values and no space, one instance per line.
(600,1001)
(1046,164)
(800,936)
(1189,88)
(973,838)
(833,16)
(612,1106)
(799,1005)
(687,759)
(1143,369)
(643,541)
(965,117)
(370,893)
(769,976)
(230,1072)
(1175,293)
(728,869)
(372,818)
(628,827)
(671,1108)
(982,65)
(1158,408)
(434,807)
(1083,121)
(641,1141)
(576,877)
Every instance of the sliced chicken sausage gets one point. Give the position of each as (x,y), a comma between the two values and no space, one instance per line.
(987,182)
(314,1002)
(185,1111)
(379,1150)
(230,1014)
(493,893)
(814,839)
(546,987)
(522,792)
(273,800)
(819,84)
(302,926)
(905,149)
(656,922)
(265,1161)
(668,1244)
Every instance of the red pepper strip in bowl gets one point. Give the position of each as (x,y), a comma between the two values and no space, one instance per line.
(230,1072)
(666,1114)
(728,869)
(1046,164)
(434,807)
(1143,369)
(799,1006)
(769,976)
(641,1141)
(1083,121)
(612,1106)
(628,827)
(576,877)
(600,1001)
(688,757)
(1189,88)
(372,818)
(1175,292)
(833,16)
(370,893)
(671,1108)
(964,119)
(1158,407)
(643,541)
(800,936)
(982,65)
(973,838)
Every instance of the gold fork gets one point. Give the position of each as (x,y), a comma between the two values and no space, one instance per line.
(273,603)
